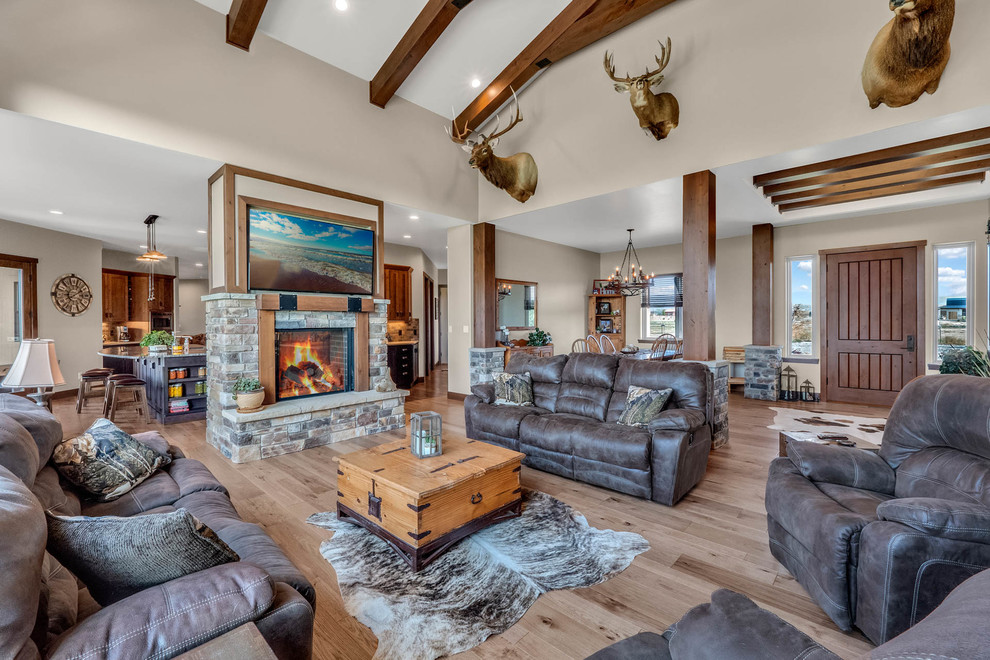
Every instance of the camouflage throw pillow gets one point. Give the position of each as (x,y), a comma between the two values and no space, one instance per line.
(513,389)
(642,405)
(106,461)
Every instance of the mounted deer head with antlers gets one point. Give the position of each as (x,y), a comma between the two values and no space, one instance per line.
(658,114)
(516,175)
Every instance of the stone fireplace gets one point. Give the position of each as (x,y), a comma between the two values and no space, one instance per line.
(319,359)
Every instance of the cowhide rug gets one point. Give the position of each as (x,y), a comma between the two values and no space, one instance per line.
(793,419)
(480,587)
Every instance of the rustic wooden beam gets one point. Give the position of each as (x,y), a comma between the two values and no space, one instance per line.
(874,157)
(886,191)
(699,266)
(242,21)
(580,24)
(485,295)
(763,285)
(417,41)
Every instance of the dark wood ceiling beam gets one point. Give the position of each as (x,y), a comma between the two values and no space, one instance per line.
(880,182)
(242,21)
(417,41)
(874,157)
(883,169)
(580,24)
(887,191)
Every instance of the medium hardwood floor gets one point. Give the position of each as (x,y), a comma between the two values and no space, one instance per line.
(716,537)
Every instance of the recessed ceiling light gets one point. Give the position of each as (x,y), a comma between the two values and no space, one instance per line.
(56,212)
(199,265)
(406,236)
(476,83)
(340,5)
(200,231)
(414,217)
(143,247)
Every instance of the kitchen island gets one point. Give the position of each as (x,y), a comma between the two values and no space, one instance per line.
(175,384)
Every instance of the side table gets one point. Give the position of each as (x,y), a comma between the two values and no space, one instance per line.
(811,436)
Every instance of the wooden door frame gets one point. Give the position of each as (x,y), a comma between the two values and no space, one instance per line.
(429,312)
(29,292)
(921,362)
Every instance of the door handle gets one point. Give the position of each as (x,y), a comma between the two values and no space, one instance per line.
(910,344)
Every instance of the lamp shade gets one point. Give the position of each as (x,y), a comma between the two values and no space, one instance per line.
(35,365)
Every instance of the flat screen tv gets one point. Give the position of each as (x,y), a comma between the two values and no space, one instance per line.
(308,254)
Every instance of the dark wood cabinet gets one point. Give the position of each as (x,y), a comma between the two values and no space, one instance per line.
(156,370)
(140,307)
(115,308)
(403,362)
(398,289)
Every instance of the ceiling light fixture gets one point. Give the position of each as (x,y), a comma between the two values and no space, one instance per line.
(475,83)
(406,236)
(199,265)
(414,217)
(629,280)
(56,212)
(200,231)
(152,254)
(340,5)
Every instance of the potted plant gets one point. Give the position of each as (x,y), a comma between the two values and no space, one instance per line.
(539,338)
(249,394)
(159,340)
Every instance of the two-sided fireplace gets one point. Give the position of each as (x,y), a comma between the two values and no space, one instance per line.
(314,361)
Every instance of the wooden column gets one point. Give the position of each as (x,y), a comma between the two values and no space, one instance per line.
(699,266)
(763,285)
(485,297)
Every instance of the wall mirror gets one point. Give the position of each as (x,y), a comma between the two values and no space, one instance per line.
(516,304)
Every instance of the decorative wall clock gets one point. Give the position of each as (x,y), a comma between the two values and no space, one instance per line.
(71,295)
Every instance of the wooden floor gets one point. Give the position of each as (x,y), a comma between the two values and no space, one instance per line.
(716,537)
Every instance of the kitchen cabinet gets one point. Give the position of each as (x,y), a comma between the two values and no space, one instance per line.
(403,360)
(115,307)
(140,307)
(398,289)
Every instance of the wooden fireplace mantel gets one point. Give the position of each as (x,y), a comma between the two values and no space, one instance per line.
(273,302)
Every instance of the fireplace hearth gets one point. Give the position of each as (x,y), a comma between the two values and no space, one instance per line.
(314,361)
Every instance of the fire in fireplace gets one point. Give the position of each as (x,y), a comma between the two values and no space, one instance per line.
(314,361)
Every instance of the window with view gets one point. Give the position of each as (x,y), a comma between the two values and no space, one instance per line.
(953,287)
(801,306)
(663,306)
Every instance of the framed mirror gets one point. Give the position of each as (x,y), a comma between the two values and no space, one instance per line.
(516,304)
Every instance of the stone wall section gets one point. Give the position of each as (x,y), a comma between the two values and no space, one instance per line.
(485,363)
(763,372)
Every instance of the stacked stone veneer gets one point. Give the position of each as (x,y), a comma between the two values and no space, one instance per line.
(720,402)
(763,372)
(485,363)
(287,426)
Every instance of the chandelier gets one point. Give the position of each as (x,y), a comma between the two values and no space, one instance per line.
(504,290)
(627,278)
(152,254)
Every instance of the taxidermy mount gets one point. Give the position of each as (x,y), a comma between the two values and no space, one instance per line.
(658,114)
(910,53)
(516,175)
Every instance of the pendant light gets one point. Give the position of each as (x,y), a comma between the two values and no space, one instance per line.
(152,255)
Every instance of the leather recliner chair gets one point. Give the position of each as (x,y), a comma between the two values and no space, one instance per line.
(879,541)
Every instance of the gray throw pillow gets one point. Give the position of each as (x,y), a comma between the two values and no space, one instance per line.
(106,461)
(117,557)
(643,404)
(513,389)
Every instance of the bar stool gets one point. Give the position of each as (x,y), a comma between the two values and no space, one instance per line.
(108,393)
(130,395)
(92,385)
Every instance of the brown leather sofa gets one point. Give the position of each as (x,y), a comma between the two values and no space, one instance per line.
(159,622)
(572,430)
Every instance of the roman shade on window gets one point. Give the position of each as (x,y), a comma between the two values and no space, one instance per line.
(665,291)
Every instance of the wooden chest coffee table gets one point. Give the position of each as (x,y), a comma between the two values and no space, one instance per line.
(812,436)
(422,507)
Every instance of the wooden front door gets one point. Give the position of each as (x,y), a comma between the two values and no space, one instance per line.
(873,325)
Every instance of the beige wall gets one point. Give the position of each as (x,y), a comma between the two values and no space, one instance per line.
(160,73)
(77,339)
(405,255)
(460,308)
(752,79)
(563,276)
(191,310)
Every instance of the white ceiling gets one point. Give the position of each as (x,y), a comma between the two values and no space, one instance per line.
(482,40)
(428,232)
(598,224)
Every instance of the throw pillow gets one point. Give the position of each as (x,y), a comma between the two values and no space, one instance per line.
(642,405)
(106,461)
(513,389)
(117,557)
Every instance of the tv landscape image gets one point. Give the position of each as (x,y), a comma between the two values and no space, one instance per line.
(288,252)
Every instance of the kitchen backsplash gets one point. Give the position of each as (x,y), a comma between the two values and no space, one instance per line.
(403,330)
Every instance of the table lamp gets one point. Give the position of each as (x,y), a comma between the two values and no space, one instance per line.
(35,366)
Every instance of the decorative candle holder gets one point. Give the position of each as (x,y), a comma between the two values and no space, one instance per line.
(425,434)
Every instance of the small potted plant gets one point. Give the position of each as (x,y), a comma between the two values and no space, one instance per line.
(249,394)
(539,338)
(159,340)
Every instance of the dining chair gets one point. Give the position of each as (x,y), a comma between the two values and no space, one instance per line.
(607,346)
(593,345)
(661,345)
(579,346)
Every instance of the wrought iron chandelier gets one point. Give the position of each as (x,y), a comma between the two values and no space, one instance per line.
(628,278)
(504,290)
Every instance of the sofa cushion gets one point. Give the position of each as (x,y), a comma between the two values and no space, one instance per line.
(947,519)
(117,557)
(41,424)
(156,441)
(191,476)
(18,453)
(546,374)
(55,499)
(213,509)
(105,461)
(22,528)
(61,596)
(624,446)
(484,391)
(502,421)
(944,473)
(643,405)
(554,432)
(513,389)
(859,501)
(159,490)
(688,380)
(643,646)
(253,545)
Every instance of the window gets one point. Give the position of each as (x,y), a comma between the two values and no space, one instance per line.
(953,295)
(663,307)
(801,331)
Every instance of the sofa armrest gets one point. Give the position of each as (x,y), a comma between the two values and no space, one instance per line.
(171,618)
(843,466)
(484,391)
(678,419)
(288,625)
(962,521)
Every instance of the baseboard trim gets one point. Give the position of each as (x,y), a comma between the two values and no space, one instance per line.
(456,396)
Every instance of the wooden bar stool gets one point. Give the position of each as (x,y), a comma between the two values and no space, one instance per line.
(129,395)
(92,385)
(108,393)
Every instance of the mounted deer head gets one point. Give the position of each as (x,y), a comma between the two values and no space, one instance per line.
(516,175)
(658,114)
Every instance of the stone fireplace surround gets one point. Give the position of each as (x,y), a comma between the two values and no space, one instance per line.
(240,337)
